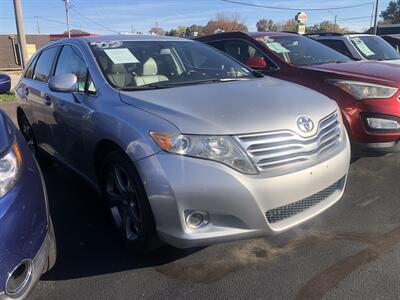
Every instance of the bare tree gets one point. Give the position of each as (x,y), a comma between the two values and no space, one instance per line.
(223,22)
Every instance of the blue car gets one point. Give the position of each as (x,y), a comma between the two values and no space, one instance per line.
(27,244)
(5,83)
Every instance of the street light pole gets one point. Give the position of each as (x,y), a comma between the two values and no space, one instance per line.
(67,17)
(21,32)
(376,17)
(37,24)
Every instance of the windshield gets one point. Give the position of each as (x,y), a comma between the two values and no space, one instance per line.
(374,48)
(302,51)
(159,64)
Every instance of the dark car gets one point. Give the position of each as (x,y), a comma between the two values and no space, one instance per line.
(27,243)
(366,91)
(393,40)
(5,83)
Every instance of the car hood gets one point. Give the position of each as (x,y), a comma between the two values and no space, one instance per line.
(371,71)
(238,107)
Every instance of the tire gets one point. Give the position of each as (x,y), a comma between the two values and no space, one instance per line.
(51,259)
(127,202)
(27,131)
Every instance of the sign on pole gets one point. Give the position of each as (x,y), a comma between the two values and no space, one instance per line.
(301,19)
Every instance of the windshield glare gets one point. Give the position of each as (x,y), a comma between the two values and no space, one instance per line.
(301,51)
(151,64)
(374,48)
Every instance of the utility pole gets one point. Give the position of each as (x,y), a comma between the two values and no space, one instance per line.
(334,26)
(376,17)
(67,16)
(37,24)
(21,32)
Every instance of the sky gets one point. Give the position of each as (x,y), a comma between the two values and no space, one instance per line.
(115,16)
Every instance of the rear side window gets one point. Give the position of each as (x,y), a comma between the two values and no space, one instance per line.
(338,46)
(29,71)
(44,64)
(241,50)
(71,61)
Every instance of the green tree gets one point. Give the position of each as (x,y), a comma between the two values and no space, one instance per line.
(391,14)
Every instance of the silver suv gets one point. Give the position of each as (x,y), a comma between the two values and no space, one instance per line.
(186,145)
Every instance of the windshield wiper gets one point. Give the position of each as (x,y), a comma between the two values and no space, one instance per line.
(165,85)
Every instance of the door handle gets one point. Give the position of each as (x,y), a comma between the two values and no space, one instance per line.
(47,100)
(26,92)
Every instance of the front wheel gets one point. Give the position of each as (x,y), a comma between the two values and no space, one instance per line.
(124,194)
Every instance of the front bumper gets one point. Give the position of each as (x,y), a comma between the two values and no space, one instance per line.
(367,141)
(38,264)
(236,203)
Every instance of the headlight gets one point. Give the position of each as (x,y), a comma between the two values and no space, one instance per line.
(364,90)
(10,169)
(218,148)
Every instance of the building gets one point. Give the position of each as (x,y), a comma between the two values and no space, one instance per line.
(10,56)
(384,29)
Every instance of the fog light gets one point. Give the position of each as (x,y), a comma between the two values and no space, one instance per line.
(197,219)
(378,123)
(19,279)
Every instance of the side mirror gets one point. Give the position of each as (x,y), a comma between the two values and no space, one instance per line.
(5,83)
(256,63)
(64,83)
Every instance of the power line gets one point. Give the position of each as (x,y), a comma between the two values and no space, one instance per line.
(297,9)
(355,18)
(98,23)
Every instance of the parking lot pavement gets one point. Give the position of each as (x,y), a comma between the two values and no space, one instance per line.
(350,251)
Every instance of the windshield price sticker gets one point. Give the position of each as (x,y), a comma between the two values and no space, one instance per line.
(363,47)
(121,56)
(276,47)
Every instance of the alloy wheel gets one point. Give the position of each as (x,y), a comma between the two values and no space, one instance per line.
(123,202)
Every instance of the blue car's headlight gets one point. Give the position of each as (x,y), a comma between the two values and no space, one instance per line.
(10,169)
(218,148)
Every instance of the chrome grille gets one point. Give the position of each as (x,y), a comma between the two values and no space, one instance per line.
(280,148)
(287,211)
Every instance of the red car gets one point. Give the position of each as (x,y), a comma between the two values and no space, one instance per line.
(366,91)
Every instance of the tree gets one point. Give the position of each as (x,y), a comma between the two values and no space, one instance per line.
(172,32)
(181,31)
(157,31)
(267,25)
(326,26)
(196,28)
(391,14)
(290,25)
(223,22)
